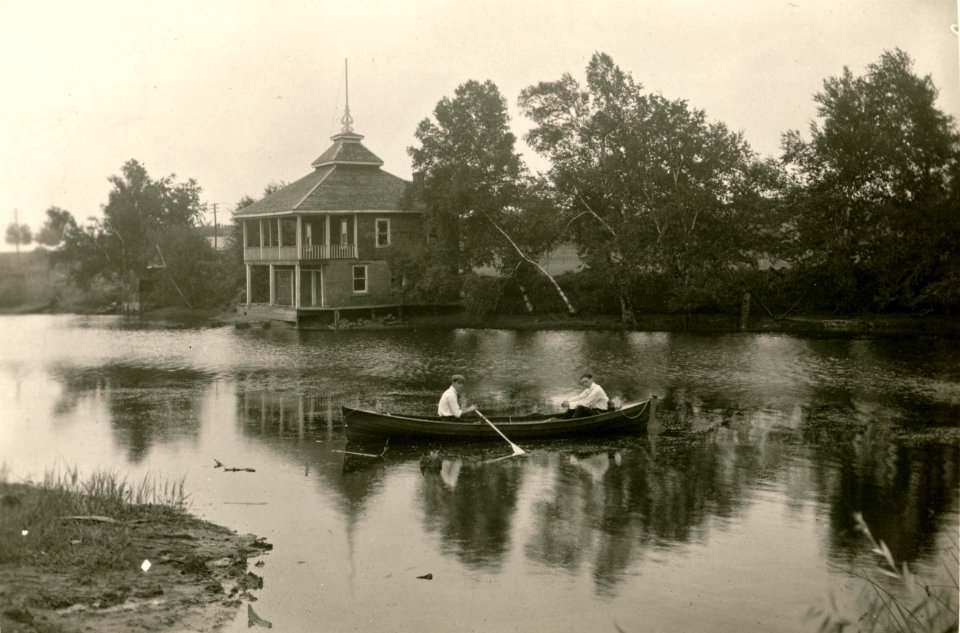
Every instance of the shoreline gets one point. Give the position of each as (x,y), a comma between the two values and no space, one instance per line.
(197,577)
(893,325)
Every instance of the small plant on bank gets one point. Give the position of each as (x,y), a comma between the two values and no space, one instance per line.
(81,522)
(909,606)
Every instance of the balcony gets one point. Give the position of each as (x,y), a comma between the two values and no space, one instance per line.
(291,253)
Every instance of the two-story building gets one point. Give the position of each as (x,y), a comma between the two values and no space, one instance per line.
(321,245)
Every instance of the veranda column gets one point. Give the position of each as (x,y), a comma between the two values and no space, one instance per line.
(326,235)
(299,236)
(273,291)
(296,285)
(249,285)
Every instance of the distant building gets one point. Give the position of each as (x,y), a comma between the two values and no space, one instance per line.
(321,245)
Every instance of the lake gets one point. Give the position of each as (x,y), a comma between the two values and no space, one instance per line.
(735,512)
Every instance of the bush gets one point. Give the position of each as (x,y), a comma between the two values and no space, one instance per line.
(481,295)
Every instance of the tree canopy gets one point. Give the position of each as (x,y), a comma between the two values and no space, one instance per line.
(58,223)
(482,204)
(19,234)
(648,185)
(468,172)
(874,190)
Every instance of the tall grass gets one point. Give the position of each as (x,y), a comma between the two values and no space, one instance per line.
(903,603)
(108,493)
(35,523)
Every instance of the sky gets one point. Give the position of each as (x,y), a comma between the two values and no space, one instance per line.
(237,94)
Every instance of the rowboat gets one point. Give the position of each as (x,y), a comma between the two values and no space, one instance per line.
(361,423)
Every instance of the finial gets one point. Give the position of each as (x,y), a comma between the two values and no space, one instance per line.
(347,120)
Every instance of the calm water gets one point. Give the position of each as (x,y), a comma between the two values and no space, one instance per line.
(735,513)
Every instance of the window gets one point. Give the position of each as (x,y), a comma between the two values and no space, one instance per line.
(359,279)
(383,233)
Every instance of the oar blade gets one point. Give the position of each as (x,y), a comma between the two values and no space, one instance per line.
(516,449)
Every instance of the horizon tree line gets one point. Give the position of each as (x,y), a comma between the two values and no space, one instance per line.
(668,210)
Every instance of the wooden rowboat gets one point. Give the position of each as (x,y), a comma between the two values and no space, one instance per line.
(361,423)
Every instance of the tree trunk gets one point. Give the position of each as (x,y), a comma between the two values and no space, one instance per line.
(627,315)
(570,309)
(170,277)
(526,299)
(745,312)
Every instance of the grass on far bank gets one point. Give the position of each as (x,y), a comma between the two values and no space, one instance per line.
(86,522)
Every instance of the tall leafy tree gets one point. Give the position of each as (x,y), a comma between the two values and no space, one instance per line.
(138,211)
(143,220)
(650,187)
(58,223)
(874,190)
(474,184)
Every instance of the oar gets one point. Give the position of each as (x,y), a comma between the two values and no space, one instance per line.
(516,449)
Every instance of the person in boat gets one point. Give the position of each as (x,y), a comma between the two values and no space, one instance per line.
(591,401)
(449,406)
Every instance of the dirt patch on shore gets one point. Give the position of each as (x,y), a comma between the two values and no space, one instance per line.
(196,579)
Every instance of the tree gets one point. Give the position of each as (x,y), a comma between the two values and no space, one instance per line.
(874,190)
(143,217)
(58,223)
(474,185)
(19,234)
(650,187)
(139,209)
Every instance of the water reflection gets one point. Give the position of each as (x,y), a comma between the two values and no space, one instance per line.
(142,405)
(474,517)
(753,432)
(603,510)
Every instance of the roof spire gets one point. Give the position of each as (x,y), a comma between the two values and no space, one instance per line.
(347,120)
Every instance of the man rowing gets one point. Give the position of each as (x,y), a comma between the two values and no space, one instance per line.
(449,407)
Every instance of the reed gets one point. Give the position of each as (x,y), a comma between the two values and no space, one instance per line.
(35,527)
(902,603)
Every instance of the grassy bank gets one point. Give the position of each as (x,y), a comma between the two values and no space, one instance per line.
(102,553)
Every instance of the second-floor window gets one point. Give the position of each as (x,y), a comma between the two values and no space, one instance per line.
(360,279)
(383,233)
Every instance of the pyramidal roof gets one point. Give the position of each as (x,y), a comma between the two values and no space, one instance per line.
(345,177)
(347,150)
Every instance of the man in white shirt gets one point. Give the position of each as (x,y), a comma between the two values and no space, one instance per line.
(591,401)
(449,407)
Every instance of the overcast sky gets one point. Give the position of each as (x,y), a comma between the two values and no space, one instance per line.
(237,94)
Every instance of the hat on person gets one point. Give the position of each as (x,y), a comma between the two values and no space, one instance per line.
(457,378)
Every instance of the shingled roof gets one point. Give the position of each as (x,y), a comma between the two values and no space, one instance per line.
(346,177)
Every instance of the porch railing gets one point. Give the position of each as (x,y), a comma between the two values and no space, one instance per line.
(286,253)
